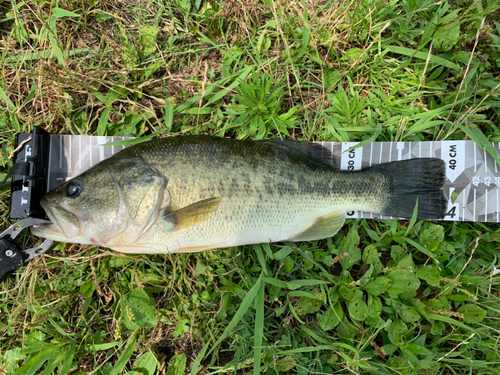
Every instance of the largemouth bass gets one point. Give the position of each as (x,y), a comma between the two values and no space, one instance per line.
(194,193)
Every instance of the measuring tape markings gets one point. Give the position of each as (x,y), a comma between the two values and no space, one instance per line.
(89,149)
(468,172)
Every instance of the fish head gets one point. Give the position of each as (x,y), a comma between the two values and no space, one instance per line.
(112,203)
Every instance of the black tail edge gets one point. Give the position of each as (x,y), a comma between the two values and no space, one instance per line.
(415,179)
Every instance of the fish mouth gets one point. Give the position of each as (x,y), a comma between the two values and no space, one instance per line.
(67,223)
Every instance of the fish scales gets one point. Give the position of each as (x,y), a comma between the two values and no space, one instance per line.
(267,195)
(194,193)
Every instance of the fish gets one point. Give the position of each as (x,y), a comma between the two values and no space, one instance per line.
(196,193)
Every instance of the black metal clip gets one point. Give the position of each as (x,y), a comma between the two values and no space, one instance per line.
(12,256)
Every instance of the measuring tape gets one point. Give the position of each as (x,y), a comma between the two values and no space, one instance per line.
(472,176)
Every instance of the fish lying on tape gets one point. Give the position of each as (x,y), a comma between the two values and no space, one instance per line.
(194,193)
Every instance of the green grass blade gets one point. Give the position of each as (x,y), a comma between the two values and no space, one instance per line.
(209,89)
(260,257)
(246,303)
(199,358)
(68,360)
(6,100)
(295,284)
(243,75)
(315,336)
(423,126)
(53,363)
(452,321)
(425,120)
(413,219)
(258,329)
(130,142)
(124,357)
(168,117)
(423,56)
(367,141)
(15,60)
(35,363)
(309,349)
(480,139)
(421,249)
(103,122)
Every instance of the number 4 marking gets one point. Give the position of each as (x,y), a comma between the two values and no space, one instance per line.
(452,213)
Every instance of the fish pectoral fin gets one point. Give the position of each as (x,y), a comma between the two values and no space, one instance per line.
(193,214)
(325,226)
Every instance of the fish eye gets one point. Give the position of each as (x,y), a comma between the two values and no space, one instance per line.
(73,189)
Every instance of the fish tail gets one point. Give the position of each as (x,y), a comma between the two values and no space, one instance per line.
(411,180)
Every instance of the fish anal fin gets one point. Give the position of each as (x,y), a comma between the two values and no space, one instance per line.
(193,214)
(325,226)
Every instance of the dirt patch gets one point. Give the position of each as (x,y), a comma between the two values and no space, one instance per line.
(165,345)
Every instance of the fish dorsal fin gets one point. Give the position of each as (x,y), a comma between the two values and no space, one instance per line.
(325,226)
(193,214)
(316,154)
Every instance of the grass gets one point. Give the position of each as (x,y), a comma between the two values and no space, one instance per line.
(380,297)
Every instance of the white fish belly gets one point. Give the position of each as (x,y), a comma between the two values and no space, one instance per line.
(238,224)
